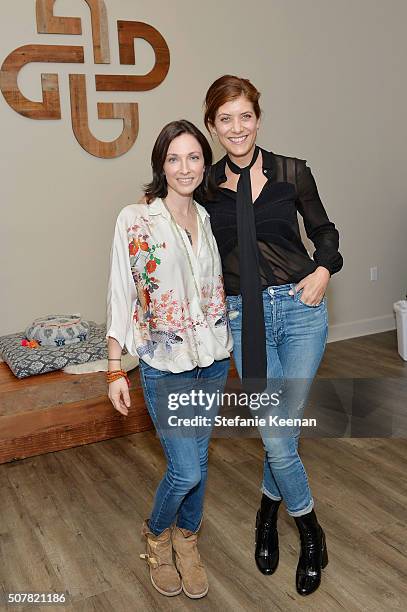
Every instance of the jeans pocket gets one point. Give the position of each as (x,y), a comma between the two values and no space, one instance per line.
(321,303)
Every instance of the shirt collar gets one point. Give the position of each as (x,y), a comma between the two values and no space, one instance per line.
(157,208)
(268,163)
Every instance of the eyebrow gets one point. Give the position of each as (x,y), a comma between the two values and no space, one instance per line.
(190,153)
(229,115)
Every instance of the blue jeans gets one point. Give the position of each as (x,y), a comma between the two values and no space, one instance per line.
(296,336)
(180,494)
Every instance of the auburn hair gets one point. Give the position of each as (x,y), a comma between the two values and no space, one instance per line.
(225,89)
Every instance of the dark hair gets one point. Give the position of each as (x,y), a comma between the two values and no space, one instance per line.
(225,89)
(158,187)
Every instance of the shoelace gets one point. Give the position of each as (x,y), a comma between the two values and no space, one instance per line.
(150,560)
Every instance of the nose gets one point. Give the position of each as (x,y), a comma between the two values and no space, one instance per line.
(237,125)
(184,166)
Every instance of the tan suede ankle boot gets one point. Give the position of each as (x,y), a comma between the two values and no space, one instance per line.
(188,562)
(163,573)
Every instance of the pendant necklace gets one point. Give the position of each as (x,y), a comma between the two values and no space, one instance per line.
(188,233)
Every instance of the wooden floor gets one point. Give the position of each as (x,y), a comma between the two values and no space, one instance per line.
(70,521)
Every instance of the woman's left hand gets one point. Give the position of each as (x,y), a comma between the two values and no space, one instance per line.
(314,286)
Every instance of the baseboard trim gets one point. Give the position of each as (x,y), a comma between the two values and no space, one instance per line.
(363,327)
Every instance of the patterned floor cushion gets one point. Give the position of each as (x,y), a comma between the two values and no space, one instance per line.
(58,330)
(24,361)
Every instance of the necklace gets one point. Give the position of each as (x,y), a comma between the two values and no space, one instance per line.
(181,238)
(188,233)
(186,230)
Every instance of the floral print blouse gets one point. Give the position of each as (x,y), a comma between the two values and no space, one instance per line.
(153,307)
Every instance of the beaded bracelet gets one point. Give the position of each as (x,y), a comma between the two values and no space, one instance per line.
(115,375)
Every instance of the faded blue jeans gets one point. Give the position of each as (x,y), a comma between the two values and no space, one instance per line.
(296,336)
(180,494)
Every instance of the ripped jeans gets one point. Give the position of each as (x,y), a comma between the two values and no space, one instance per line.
(296,337)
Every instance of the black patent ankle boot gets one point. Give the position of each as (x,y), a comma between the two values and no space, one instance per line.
(266,553)
(314,555)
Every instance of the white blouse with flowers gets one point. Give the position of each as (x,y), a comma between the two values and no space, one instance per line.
(153,307)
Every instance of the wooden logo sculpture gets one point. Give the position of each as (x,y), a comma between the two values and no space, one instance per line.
(50,106)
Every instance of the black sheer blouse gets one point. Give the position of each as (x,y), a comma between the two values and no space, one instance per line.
(282,256)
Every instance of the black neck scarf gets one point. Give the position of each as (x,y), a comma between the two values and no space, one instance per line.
(254,356)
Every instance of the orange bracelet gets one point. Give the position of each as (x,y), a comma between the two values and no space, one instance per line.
(115,375)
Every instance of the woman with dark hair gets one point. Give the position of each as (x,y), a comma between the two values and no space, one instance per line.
(166,303)
(275,295)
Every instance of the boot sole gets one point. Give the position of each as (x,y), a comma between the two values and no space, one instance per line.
(198,596)
(166,593)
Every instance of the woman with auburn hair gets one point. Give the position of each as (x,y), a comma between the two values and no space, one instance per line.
(166,303)
(275,295)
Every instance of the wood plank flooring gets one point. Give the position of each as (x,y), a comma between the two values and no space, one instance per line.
(70,521)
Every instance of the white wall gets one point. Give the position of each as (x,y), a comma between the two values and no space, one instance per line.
(332,73)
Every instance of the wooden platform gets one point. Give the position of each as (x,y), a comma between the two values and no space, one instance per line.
(54,411)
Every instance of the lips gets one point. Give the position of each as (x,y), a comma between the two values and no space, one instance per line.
(185,181)
(238,140)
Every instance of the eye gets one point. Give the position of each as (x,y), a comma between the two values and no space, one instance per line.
(195,157)
(171,159)
(223,119)
(247,116)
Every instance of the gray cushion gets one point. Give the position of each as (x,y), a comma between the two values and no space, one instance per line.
(24,361)
(58,330)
